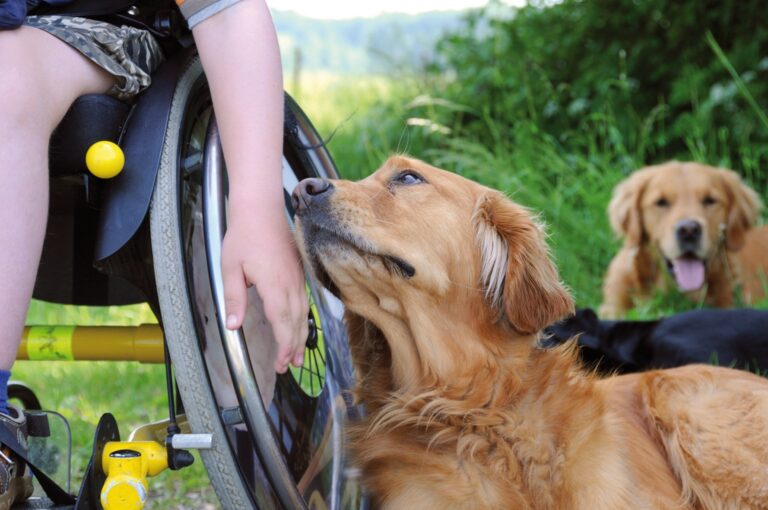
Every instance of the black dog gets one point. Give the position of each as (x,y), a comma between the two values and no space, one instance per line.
(734,338)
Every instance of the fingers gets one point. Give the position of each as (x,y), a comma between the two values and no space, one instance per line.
(287,312)
(235,294)
(301,335)
(284,353)
(289,324)
(278,276)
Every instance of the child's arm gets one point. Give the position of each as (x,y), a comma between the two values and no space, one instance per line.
(241,58)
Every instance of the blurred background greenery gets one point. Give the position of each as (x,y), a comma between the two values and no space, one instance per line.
(556,102)
(552,103)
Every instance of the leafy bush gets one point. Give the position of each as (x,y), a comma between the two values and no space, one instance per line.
(644,74)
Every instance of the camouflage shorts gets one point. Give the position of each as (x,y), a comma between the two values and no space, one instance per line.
(128,53)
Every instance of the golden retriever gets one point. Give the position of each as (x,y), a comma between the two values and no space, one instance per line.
(688,223)
(447,284)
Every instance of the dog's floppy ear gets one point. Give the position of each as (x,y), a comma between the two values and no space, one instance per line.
(624,211)
(518,276)
(743,208)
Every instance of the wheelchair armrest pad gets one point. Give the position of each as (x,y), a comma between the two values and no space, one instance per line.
(91,118)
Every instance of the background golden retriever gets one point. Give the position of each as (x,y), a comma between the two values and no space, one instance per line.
(688,225)
(447,284)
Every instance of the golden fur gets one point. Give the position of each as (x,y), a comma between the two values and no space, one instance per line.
(646,208)
(464,411)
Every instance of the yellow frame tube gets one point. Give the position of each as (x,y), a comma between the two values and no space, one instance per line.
(142,343)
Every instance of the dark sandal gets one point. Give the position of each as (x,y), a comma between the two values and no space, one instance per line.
(15,478)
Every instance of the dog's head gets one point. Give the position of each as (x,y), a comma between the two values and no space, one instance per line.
(688,211)
(435,261)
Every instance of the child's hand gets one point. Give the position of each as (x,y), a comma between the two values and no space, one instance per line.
(260,251)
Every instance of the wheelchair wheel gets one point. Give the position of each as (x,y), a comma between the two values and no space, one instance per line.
(278,439)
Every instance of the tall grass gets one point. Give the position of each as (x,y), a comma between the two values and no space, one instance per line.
(363,119)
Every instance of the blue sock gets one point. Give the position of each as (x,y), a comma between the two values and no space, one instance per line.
(4,376)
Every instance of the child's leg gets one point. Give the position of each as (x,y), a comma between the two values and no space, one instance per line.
(41,77)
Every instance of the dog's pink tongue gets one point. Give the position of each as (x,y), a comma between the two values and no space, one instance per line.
(689,274)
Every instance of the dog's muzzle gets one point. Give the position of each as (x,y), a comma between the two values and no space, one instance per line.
(689,270)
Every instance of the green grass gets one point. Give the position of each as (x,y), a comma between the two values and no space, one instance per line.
(362,119)
(41,313)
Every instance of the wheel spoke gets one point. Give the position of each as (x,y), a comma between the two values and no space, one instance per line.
(301,375)
(310,371)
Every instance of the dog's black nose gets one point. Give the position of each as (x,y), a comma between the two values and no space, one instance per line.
(308,191)
(688,234)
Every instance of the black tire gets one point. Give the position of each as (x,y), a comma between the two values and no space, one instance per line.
(239,471)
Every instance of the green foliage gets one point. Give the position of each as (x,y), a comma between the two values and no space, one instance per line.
(648,75)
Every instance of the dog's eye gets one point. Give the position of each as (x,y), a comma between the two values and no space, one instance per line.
(709,200)
(662,202)
(408,177)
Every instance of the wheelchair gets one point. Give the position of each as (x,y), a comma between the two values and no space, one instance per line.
(153,235)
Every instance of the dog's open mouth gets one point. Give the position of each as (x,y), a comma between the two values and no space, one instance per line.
(689,272)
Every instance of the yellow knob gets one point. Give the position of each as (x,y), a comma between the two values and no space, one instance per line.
(105,159)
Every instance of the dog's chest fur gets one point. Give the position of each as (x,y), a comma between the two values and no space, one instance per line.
(509,452)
